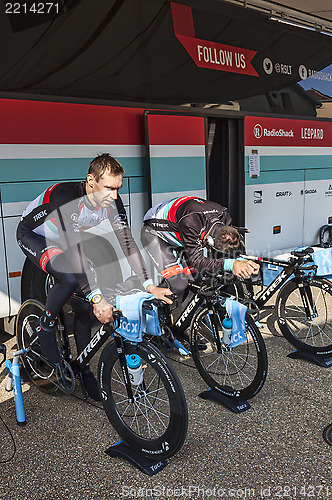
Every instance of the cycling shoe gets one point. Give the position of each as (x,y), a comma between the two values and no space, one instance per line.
(91,385)
(47,342)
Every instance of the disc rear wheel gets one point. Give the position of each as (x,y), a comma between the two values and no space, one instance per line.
(37,370)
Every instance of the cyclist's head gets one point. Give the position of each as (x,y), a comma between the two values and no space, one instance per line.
(105,163)
(227,240)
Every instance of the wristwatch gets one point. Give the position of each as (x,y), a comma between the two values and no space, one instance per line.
(96,298)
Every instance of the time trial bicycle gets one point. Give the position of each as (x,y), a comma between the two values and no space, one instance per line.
(303,305)
(237,372)
(140,391)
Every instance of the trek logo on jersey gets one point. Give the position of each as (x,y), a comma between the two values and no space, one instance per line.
(41,214)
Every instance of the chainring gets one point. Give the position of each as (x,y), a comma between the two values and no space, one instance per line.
(66,377)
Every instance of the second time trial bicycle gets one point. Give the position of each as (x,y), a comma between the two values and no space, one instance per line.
(303,305)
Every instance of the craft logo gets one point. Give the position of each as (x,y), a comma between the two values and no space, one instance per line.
(258,131)
(258,197)
(283,193)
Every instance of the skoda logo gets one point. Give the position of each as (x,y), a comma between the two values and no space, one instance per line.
(258,131)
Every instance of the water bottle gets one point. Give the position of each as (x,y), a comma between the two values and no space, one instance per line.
(227,331)
(135,369)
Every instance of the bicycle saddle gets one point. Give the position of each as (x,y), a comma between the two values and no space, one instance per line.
(302,253)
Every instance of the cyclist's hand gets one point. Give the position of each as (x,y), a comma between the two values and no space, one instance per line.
(103,311)
(245,268)
(160,293)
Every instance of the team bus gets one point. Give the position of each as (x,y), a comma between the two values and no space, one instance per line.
(275,174)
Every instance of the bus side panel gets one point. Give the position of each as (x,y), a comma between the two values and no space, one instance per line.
(289,198)
(44,143)
(176,150)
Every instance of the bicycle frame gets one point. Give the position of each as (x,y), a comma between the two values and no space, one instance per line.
(289,268)
(180,325)
(183,322)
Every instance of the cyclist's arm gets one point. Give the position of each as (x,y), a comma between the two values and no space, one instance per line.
(70,240)
(244,268)
(119,222)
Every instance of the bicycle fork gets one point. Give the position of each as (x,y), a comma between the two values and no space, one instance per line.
(125,371)
(214,320)
(307,299)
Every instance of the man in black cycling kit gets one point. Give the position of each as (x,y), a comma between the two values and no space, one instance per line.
(192,224)
(49,235)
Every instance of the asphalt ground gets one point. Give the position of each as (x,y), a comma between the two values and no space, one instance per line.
(273,450)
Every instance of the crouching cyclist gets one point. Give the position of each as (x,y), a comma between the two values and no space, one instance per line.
(49,235)
(192,224)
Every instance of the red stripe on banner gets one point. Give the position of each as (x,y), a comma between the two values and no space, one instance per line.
(37,122)
(48,192)
(208,54)
(48,255)
(182,19)
(176,130)
(287,132)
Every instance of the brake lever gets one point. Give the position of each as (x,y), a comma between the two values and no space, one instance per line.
(116,319)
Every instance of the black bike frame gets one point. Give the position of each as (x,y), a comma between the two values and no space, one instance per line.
(103,333)
(180,325)
(288,269)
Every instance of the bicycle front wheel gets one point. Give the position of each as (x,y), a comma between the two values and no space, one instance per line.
(39,372)
(154,422)
(313,334)
(238,372)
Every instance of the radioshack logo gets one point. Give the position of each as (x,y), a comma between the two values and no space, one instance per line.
(258,131)
(258,197)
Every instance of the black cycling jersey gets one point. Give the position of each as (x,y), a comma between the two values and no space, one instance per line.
(63,211)
(185,222)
